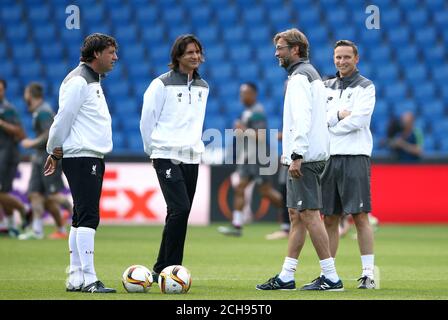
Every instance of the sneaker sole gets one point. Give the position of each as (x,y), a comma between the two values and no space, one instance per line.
(275,289)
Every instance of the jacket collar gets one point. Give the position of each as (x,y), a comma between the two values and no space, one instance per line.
(347,80)
(196,75)
(291,68)
(96,75)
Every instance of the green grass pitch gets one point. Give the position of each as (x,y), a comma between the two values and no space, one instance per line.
(412,262)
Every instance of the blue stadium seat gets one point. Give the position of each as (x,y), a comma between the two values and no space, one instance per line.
(44,34)
(146,15)
(399,37)
(242,52)
(439,73)
(126,34)
(38,14)
(248,72)
(406,55)
(134,142)
(24,52)
(380,54)
(56,71)
(223,71)
(441,18)
(6,69)
(159,54)
(403,106)
(435,56)
(415,73)
(336,17)
(118,138)
(154,33)
(417,19)
(391,18)
(254,16)
(11,14)
(429,144)
(234,34)
(215,122)
(279,15)
(227,16)
(208,35)
(173,16)
(132,52)
(432,110)
(51,52)
(93,14)
(215,53)
(424,91)
(348,32)
(119,15)
(200,17)
(396,93)
(18,33)
(425,36)
(127,106)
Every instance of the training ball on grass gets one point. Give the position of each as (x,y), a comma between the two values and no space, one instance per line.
(137,279)
(175,279)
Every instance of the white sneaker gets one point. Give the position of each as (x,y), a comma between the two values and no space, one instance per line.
(31,235)
(280,234)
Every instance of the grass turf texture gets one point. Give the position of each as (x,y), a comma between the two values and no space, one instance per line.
(412,261)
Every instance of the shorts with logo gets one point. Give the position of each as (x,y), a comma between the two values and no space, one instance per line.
(42,184)
(305,193)
(8,170)
(346,185)
(252,172)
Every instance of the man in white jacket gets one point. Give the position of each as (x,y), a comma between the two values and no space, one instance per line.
(346,179)
(305,151)
(81,135)
(171,128)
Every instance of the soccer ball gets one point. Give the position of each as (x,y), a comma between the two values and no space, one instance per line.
(175,279)
(137,278)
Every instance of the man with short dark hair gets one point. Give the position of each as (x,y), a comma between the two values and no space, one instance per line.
(43,192)
(346,178)
(81,135)
(171,127)
(305,151)
(252,119)
(11,132)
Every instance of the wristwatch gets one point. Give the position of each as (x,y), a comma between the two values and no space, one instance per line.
(295,156)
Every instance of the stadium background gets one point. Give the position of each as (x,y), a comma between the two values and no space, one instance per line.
(406,59)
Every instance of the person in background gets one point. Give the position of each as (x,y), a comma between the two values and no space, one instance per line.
(406,144)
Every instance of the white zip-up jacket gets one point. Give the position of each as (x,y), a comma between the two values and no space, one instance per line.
(173,116)
(351,135)
(305,129)
(83,125)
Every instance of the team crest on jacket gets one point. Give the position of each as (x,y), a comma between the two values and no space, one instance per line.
(168,173)
(93,173)
(200,96)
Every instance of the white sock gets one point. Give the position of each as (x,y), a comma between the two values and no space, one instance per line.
(10,222)
(76,277)
(368,265)
(38,225)
(329,270)
(237,219)
(85,241)
(321,273)
(288,269)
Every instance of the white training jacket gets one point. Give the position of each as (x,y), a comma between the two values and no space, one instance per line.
(351,135)
(173,116)
(83,125)
(305,129)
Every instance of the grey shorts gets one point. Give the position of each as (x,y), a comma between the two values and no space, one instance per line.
(305,192)
(252,172)
(346,185)
(7,174)
(42,184)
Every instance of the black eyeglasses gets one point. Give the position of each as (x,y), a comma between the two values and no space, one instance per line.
(282,47)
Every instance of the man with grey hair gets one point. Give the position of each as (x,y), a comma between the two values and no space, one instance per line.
(305,151)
